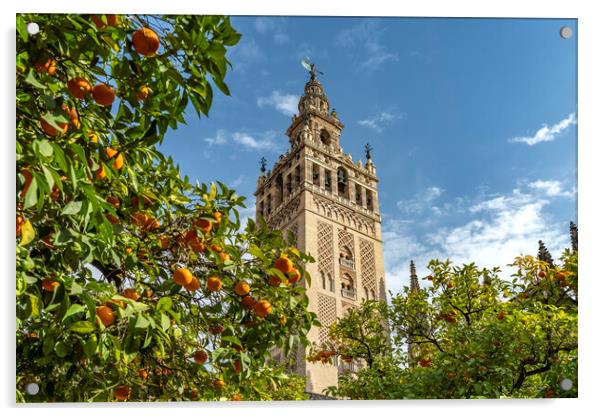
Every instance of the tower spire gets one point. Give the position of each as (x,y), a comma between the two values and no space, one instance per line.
(544,255)
(414,284)
(574,232)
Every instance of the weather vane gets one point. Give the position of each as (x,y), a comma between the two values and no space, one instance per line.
(311,67)
(369,150)
(262,163)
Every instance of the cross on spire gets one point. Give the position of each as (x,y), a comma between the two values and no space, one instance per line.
(369,150)
(262,164)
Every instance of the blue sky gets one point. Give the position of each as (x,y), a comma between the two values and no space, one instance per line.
(473,124)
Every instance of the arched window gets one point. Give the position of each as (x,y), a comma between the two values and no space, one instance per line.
(330,283)
(323,280)
(372,294)
(366,293)
(325,138)
(342,187)
(347,286)
(279,188)
(346,258)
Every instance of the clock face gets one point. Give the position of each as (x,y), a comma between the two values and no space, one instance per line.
(566,32)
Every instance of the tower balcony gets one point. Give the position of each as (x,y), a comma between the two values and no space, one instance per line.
(350,264)
(349,293)
(343,201)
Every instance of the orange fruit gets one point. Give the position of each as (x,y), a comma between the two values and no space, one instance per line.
(237,366)
(214,284)
(182,276)
(131,293)
(263,308)
(20,222)
(118,163)
(248,302)
(54,195)
(216,248)
(204,225)
(103,94)
(216,329)
(274,281)
(49,66)
(152,224)
(79,87)
(51,131)
(111,152)
(100,173)
(122,393)
(425,362)
(114,201)
(93,137)
(112,218)
(242,288)
(146,42)
(284,264)
(218,216)
(49,285)
(164,242)
(105,314)
(542,274)
(219,384)
(236,397)
(142,93)
(193,285)
(294,276)
(197,246)
(224,257)
(200,357)
(28,178)
(501,315)
(112,20)
(143,373)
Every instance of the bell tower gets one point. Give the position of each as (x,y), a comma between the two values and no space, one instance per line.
(330,203)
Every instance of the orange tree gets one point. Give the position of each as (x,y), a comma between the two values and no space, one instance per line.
(132,283)
(470,334)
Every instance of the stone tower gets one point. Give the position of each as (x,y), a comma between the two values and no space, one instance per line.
(330,203)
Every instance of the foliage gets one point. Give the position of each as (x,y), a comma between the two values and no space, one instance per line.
(470,334)
(89,228)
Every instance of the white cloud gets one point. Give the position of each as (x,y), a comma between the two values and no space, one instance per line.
(287,104)
(247,141)
(421,201)
(238,181)
(220,138)
(546,133)
(551,188)
(378,121)
(274,26)
(364,40)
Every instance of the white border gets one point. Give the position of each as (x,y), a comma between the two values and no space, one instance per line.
(590,72)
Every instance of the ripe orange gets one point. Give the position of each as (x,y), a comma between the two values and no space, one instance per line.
(501,315)
(49,285)
(122,393)
(114,201)
(263,308)
(164,242)
(20,222)
(182,276)
(219,384)
(197,246)
(242,288)
(146,42)
(294,276)
(143,373)
(284,264)
(142,93)
(51,131)
(542,274)
(28,178)
(111,152)
(49,66)
(152,224)
(103,94)
(204,225)
(112,20)
(248,302)
(118,163)
(105,314)
(79,87)
(140,219)
(193,285)
(112,218)
(236,397)
(100,173)
(93,137)
(224,257)
(131,293)
(218,216)
(214,284)
(425,362)
(274,281)
(200,357)
(216,248)
(237,366)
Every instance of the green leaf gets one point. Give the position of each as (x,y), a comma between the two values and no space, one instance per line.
(72,208)
(27,233)
(22,28)
(43,147)
(31,80)
(76,289)
(31,197)
(90,346)
(165,322)
(142,322)
(61,349)
(164,304)
(82,327)
(73,309)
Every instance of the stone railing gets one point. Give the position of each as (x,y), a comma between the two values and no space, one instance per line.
(348,293)
(347,263)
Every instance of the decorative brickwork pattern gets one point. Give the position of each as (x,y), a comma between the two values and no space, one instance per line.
(325,248)
(327,315)
(368,264)
(346,240)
